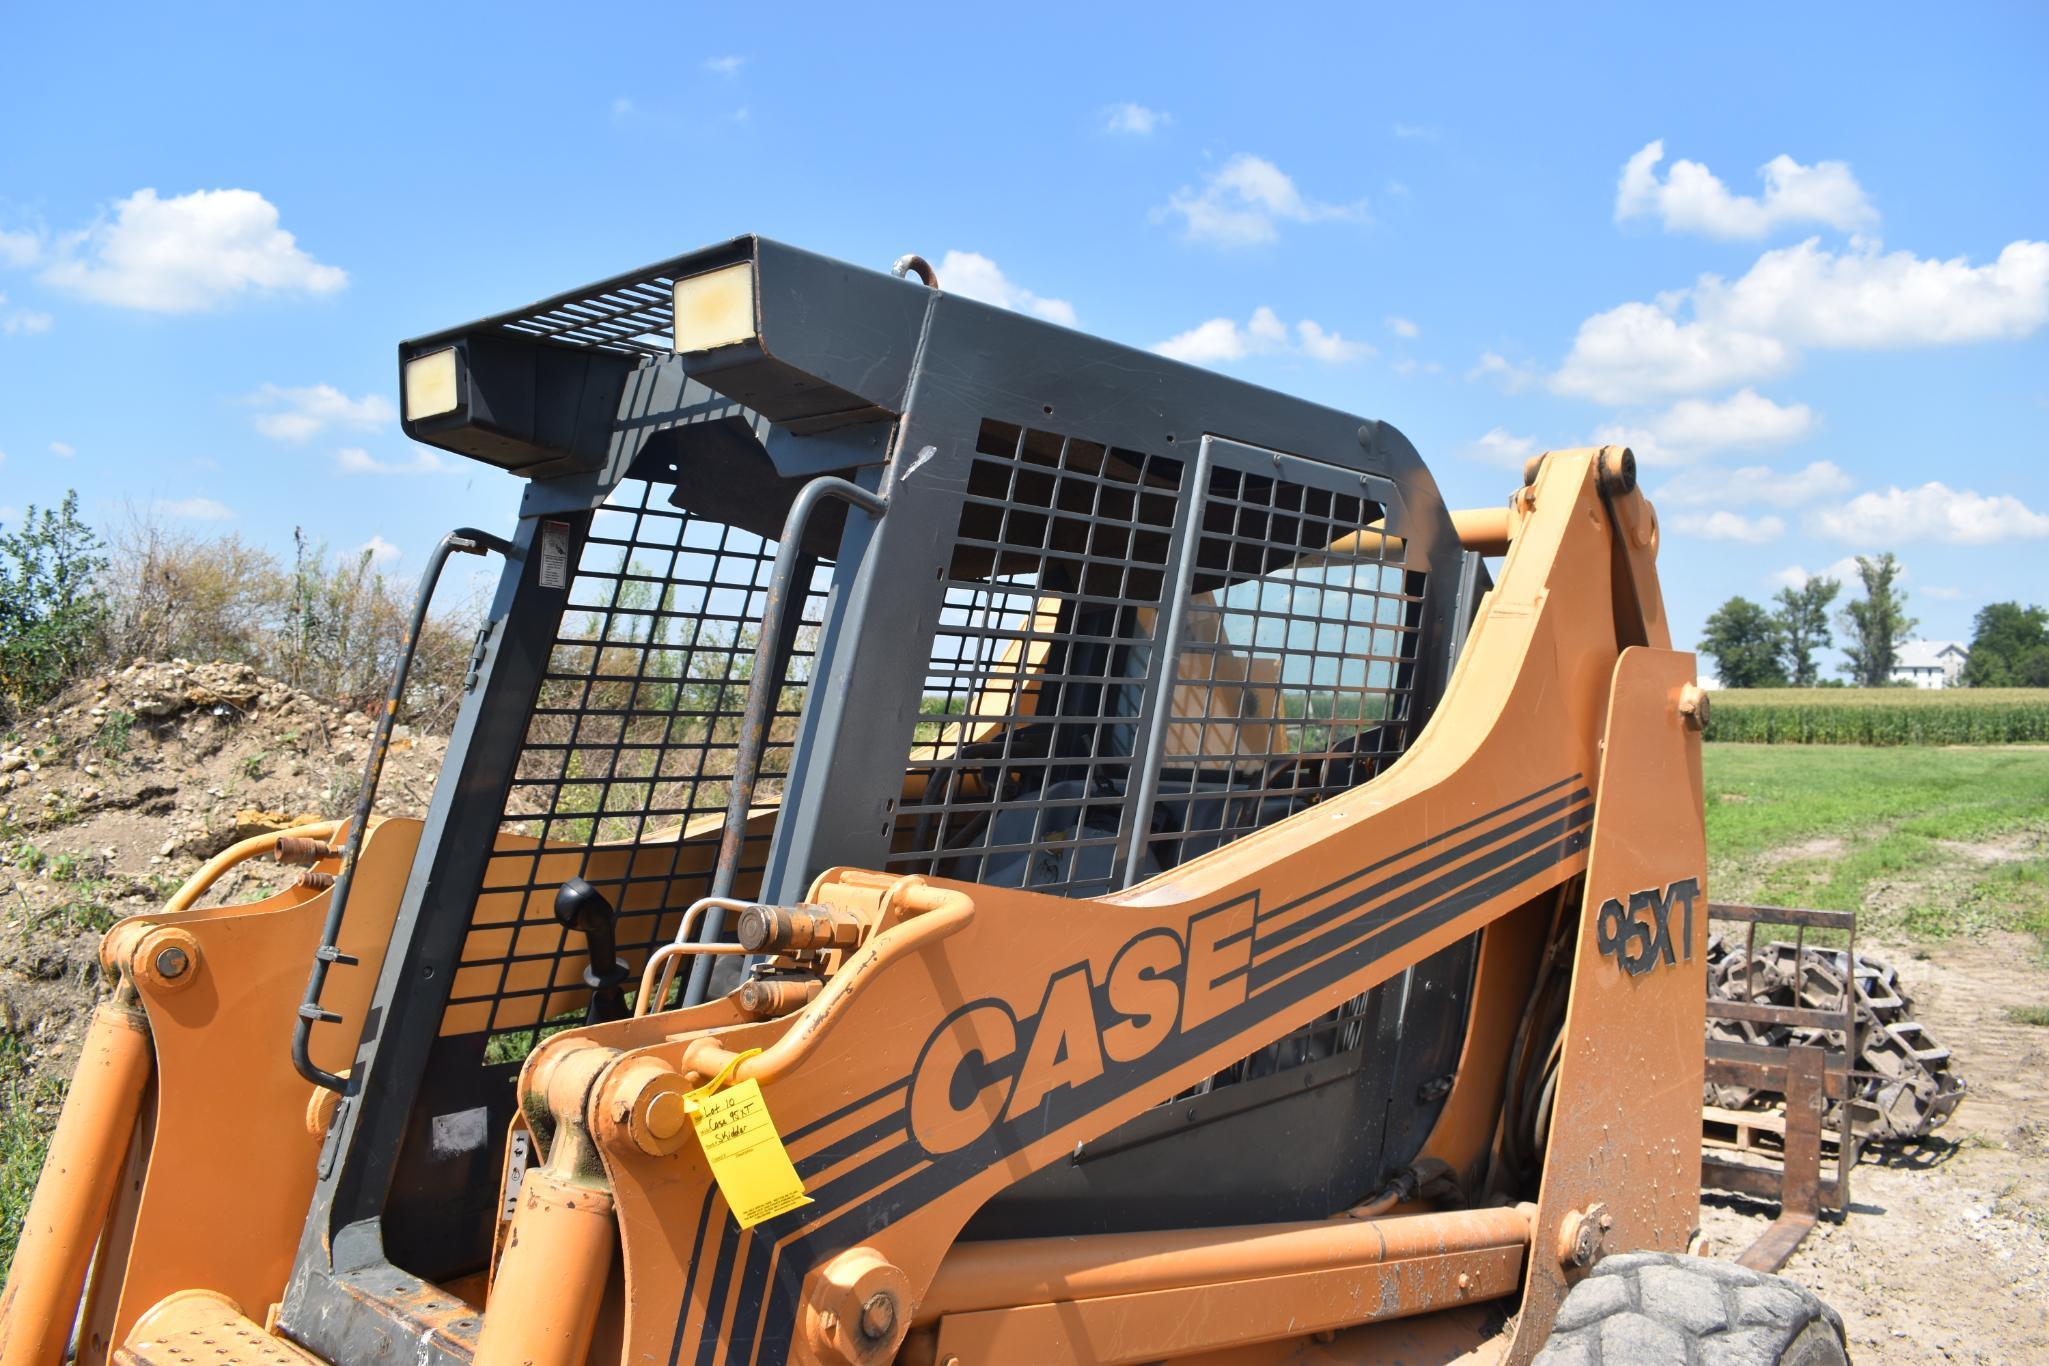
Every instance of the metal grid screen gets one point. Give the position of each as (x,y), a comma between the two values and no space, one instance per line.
(1294,671)
(623,776)
(1292,682)
(1030,720)
(635,317)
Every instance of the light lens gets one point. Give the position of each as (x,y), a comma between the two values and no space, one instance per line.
(716,308)
(430,385)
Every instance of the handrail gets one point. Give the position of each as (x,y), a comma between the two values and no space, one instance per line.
(759,713)
(468,541)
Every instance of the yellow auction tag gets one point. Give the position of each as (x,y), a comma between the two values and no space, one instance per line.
(746,1153)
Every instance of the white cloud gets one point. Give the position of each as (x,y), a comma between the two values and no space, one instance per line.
(299,414)
(1415,132)
(63,450)
(1640,350)
(1692,199)
(1402,327)
(1512,378)
(724,66)
(1134,120)
(1240,204)
(20,248)
(622,109)
(1501,447)
(1708,487)
(187,253)
(1223,339)
(1803,296)
(1945,594)
(1694,427)
(1330,347)
(1932,512)
(1843,571)
(975,276)
(8,515)
(1723,525)
(380,551)
(24,322)
(1408,367)
(192,509)
(1864,297)
(356,460)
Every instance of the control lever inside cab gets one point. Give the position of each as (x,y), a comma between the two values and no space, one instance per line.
(583,908)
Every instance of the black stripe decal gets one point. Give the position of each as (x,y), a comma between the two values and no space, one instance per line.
(1327,889)
(800,1254)
(690,1276)
(1344,906)
(1335,929)
(1356,926)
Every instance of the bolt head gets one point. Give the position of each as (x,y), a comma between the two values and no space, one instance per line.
(665,1115)
(172,962)
(1693,706)
(878,1315)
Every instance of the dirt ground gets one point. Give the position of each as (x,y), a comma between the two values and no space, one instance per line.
(114,795)
(1944,1256)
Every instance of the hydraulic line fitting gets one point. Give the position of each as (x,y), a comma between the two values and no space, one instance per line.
(798,929)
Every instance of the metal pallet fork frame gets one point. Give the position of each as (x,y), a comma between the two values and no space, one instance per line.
(1805,1075)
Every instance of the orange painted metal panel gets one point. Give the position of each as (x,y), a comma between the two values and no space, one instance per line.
(1625,1130)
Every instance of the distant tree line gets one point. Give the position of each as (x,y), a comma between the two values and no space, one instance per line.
(2009,648)
(1756,646)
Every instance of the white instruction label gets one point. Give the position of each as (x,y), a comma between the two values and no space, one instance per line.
(515,1171)
(462,1132)
(554,554)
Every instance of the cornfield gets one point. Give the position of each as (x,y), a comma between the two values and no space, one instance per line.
(1880,716)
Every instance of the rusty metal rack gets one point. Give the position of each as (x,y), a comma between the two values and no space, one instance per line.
(1807,1076)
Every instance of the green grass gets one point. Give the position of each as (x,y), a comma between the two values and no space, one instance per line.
(116,734)
(2029,1015)
(28,1111)
(1926,842)
(1880,716)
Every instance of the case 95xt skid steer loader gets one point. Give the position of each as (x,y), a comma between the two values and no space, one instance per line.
(963,843)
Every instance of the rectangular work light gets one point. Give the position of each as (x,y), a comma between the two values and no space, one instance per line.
(433,384)
(715,309)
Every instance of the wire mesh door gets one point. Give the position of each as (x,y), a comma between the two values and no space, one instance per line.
(624,774)
(1055,751)
(1030,725)
(1293,652)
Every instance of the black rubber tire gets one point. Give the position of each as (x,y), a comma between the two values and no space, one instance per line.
(1663,1309)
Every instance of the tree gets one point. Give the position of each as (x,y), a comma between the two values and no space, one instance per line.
(1746,643)
(1803,627)
(1877,624)
(50,613)
(2009,648)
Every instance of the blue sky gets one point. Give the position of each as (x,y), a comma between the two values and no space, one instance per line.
(1797,256)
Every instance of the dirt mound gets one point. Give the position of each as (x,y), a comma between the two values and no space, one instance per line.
(114,794)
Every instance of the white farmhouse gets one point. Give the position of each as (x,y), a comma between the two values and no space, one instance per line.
(1929,663)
